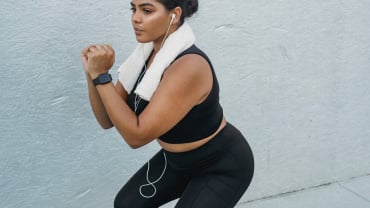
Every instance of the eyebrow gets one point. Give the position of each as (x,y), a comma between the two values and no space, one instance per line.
(142,5)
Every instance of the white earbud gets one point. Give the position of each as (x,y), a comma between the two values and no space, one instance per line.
(173,17)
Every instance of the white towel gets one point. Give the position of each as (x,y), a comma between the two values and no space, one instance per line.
(129,71)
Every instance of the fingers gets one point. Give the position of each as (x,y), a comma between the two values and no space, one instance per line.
(84,55)
(86,50)
(93,50)
(107,49)
(98,57)
(97,49)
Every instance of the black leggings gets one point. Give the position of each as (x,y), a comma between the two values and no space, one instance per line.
(215,175)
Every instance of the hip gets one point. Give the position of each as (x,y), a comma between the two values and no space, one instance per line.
(228,143)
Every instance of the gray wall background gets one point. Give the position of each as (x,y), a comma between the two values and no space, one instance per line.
(294,76)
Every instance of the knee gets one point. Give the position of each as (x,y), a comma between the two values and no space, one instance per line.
(117,203)
(120,201)
(125,199)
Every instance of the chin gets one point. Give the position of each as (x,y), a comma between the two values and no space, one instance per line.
(142,40)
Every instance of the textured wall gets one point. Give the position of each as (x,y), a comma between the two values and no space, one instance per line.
(295,77)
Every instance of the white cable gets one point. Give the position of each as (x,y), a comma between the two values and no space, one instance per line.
(137,101)
(168,30)
(151,183)
(138,98)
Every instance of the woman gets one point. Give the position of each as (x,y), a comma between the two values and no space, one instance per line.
(204,160)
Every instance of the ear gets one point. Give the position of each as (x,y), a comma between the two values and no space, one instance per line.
(178,12)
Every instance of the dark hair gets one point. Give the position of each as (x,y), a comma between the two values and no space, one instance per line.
(189,7)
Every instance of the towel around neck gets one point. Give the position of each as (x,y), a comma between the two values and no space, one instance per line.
(129,71)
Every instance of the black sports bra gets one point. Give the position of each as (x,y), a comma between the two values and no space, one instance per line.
(201,121)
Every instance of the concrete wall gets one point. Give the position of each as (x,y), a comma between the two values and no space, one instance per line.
(295,78)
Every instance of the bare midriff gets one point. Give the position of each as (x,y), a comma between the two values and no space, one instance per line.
(185,147)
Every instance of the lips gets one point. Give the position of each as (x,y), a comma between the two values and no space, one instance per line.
(138,30)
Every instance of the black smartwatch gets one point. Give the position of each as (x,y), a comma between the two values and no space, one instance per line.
(102,79)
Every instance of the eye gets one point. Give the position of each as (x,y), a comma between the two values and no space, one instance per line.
(147,11)
(133,10)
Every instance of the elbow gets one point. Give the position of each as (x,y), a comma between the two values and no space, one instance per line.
(134,145)
(134,139)
(135,142)
(106,125)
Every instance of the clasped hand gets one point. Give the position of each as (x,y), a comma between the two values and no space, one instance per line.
(97,59)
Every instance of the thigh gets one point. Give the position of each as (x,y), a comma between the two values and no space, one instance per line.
(222,183)
(210,191)
(140,193)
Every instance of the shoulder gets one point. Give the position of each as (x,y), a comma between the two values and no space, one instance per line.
(189,77)
(189,65)
(193,50)
(192,60)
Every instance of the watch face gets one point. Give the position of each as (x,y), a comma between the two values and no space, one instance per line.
(102,79)
(105,78)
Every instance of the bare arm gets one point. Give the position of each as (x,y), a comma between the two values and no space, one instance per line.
(96,103)
(185,84)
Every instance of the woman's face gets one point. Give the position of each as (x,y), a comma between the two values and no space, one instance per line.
(150,20)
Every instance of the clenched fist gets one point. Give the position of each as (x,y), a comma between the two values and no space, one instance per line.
(97,59)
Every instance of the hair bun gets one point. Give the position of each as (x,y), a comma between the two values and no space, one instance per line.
(191,7)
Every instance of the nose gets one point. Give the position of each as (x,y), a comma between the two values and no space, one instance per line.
(136,18)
